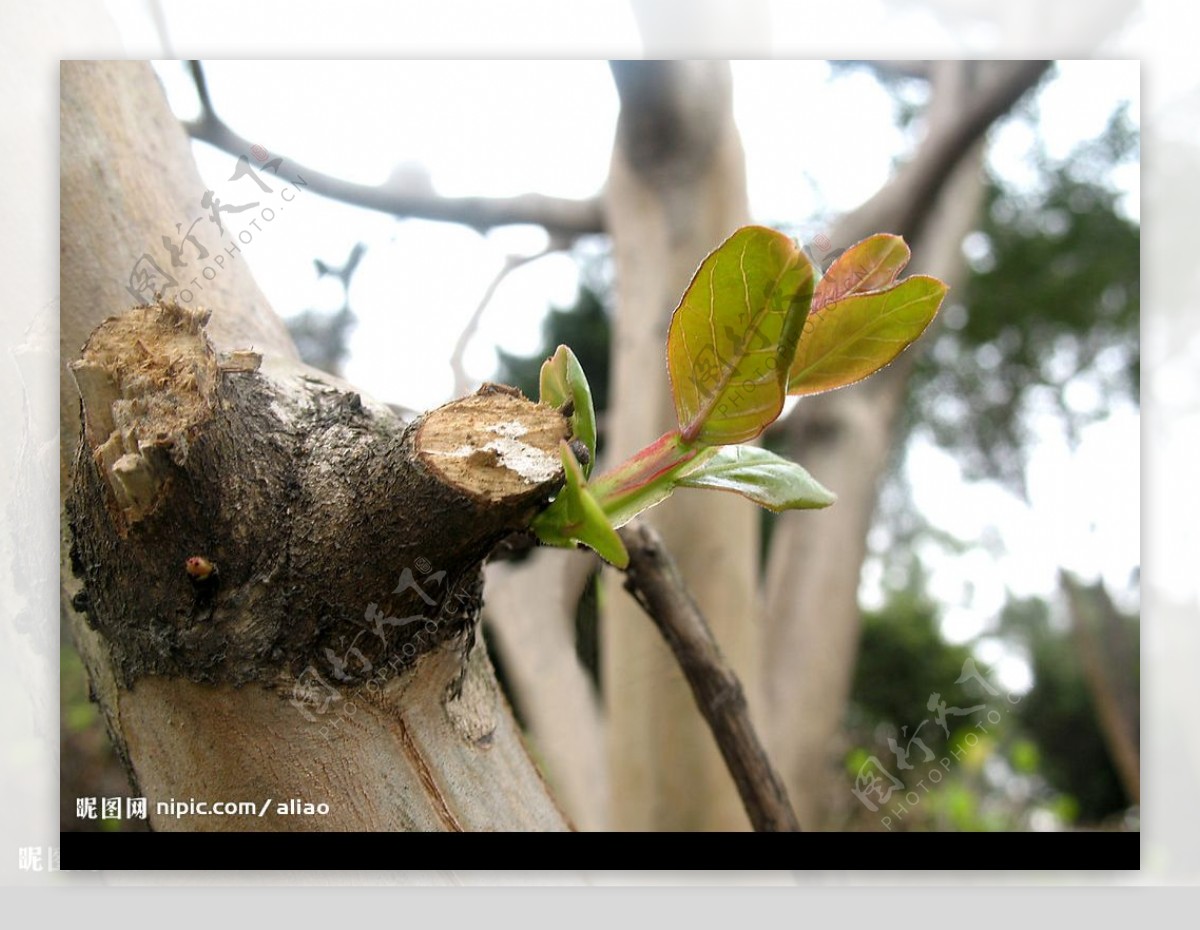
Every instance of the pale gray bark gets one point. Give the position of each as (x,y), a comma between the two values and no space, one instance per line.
(676,189)
(530,610)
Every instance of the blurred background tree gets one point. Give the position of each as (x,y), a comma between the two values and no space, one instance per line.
(1044,325)
(1041,326)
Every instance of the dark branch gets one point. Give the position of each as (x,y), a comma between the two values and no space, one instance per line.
(207,112)
(560,216)
(654,581)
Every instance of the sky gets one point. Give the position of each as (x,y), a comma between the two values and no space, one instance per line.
(504,128)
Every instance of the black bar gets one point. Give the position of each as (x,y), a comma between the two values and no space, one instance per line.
(1006,852)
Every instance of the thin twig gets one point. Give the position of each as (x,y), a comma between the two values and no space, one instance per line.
(559,216)
(654,581)
(462,384)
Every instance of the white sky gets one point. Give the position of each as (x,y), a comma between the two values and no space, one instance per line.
(502,128)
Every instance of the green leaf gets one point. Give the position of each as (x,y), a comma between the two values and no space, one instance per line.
(575,517)
(870,265)
(763,477)
(562,379)
(733,336)
(597,533)
(849,339)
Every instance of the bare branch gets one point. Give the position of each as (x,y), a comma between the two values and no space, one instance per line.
(462,384)
(905,203)
(558,215)
(207,114)
(654,582)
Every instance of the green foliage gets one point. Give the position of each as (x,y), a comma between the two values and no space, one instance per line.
(648,477)
(1052,301)
(861,319)
(902,660)
(1025,756)
(1059,714)
(731,350)
(854,336)
(871,265)
(78,712)
(1048,743)
(959,805)
(576,518)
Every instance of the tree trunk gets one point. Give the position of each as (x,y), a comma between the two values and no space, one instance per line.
(676,189)
(274,583)
(531,615)
(846,437)
(1108,653)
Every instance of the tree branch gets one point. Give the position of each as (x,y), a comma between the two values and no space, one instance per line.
(269,509)
(560,216)
(904,204)
(654,582)
(462,384)
(208,457)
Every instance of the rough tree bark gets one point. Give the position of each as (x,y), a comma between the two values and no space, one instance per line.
(234,525)
(676,189)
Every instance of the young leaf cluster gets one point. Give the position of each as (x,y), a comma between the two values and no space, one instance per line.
(754,326)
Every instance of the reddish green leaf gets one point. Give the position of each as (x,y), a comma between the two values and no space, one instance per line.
(647,478)
(733,336)
(852,338)
(870,265)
